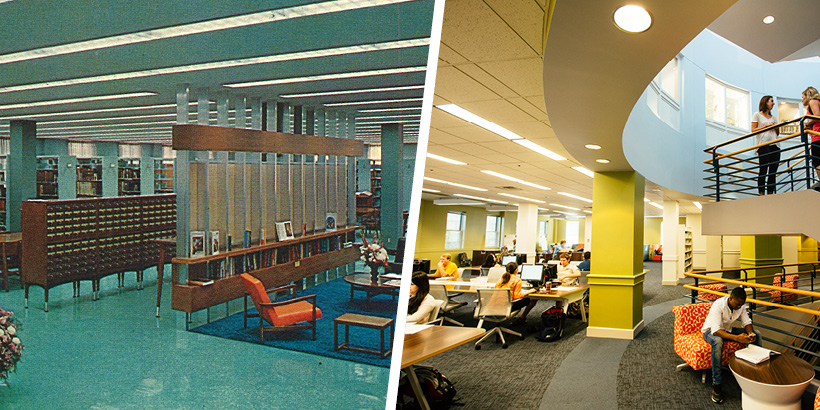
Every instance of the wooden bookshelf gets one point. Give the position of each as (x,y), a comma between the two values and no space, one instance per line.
(47,177)
(275,264)
(163,176)
(88,239)
(89,177)
(128,176)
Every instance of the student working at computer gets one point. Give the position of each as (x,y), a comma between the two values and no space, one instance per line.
(511,281)
(446,268)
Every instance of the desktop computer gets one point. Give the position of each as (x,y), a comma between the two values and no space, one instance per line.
(533,274)
(507,259)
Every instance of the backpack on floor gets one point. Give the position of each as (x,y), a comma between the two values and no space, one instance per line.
(438,389)
(553,320)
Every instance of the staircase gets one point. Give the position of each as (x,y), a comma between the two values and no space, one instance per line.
(789,213)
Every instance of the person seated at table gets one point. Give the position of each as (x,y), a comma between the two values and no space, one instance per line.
(445,267)
(510,280)
(584,266)
(421,303)
(718,327)
(567,272)
(561,246)
(489,262)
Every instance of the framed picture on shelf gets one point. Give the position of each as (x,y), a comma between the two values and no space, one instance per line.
(197,243)
(214,242)
(330,221)
(284,230)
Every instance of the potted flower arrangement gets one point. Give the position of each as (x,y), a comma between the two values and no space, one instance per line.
(373,255)
(11,348)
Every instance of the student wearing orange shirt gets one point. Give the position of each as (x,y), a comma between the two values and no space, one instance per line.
(511,281)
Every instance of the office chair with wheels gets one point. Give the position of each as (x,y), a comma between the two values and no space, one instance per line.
(440,293)
(495,305)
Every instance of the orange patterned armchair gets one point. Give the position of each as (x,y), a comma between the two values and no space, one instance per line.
(720,287)
(817,400)
(689,343)
(791,282)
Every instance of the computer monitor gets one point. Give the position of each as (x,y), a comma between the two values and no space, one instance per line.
(551,271)
(532,273)
(521,258)
(507,259)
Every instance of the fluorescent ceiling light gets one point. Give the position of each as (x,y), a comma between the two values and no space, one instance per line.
(481,122)
(584,171)
(301,55)
(656,205)
(592,146)
(104,126)
(632,19)
(587,211)
(345,92)
(97,111)
(388,116)
(430,190)
(522,197)
(645,199)
(125,117)
(445,159)
(768,20)
(75,100)
(602,161)
(509,178)
(697,204)
(454,184)
(539,149)
(575,196)
(243,20)
(564,206)
(391,109)
(478,198)
(165,130)
(400,100)
(323,77)
(566,213)
(542,209)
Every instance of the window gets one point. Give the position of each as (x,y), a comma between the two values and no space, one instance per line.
(667,79)
(454,238)
(662,94)
(572,233)
(726,104)
(492,237)
(82,149)
(130,151)
(789,110)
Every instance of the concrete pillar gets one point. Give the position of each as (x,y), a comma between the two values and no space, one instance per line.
(761,251)
(526,230)
(616,286)
(669,241)
(391,200)
(588,234)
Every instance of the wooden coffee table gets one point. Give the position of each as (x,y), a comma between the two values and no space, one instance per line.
(372,322)
(777,383)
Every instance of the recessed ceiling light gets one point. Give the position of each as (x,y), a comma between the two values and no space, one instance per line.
(584,171)
(543,209)
(454,184)
(478,198)
(509,178)
(445,159)
(75,100)
(391,109)
(575,196)
(430,190)
(768,19)
(400,100)
(632,19)
(697,204)
(567,207)
(646,199)
(602,161)
(323,77)
(522,197)
(539,149)
(592,146)
(656,205)
(587,211)
(388,117)
(566,213)
(345,92)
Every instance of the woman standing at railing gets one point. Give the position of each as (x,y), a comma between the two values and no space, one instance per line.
(811,100)
(769,155)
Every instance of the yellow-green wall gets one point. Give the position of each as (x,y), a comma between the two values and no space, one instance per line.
(652,231)
(432,218)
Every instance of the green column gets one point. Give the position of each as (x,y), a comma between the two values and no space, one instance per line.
(392,192)
(110,153)
(616,278)
(761,251)
(22,172)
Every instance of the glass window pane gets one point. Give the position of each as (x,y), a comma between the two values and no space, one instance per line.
(669,78)
(452,240)
(572,233)
(737,108)
(715,101)
(453,221)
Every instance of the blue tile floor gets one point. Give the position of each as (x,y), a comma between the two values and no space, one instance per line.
(114,353)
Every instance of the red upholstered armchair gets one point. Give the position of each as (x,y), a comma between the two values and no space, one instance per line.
(720,287)
(285,315)
(791,282)
(689,343)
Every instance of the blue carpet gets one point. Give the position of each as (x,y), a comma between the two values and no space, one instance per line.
(334,299)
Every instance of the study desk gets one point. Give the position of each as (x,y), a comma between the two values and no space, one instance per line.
(777,383)
(10,244)
(567,294)
(428,343)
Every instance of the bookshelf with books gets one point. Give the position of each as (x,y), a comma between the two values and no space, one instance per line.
(214,279)
(47,178)
(163,176)
(89,177)
(376,182)
(128,176)
(88,239)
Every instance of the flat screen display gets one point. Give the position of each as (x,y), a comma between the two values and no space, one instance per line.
(532,272)
(507,259)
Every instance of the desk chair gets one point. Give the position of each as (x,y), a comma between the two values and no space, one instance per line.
(495,274)
(495,305)
(439,292)
(433,319)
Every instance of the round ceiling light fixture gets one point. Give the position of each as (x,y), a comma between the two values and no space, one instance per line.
(602,161)
(632,19)
(768,20)
(592,146)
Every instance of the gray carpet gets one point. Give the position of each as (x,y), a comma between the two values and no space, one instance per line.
(654,292)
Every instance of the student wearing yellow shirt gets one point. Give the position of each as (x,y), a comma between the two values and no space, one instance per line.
(445,267)
(511,281)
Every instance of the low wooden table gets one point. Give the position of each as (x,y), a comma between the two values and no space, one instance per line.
(364,282)
(777,383)
(372,322)
(428,343)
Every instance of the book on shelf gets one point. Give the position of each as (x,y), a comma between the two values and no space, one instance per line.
(284,230)
(262,239)
(228,242)
(246,239)
(214,249)
(199,282)
(197,244)
(330,221)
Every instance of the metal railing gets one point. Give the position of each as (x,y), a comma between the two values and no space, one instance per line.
(734,174)
(806,342)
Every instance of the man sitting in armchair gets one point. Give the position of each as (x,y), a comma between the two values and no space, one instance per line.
(718,327)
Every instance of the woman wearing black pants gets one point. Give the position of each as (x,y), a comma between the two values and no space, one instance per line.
(768,155)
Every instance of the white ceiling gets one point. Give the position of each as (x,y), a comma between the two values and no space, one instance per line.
(36,25)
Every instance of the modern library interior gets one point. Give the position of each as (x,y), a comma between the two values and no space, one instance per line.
(670,140)
(226,187)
